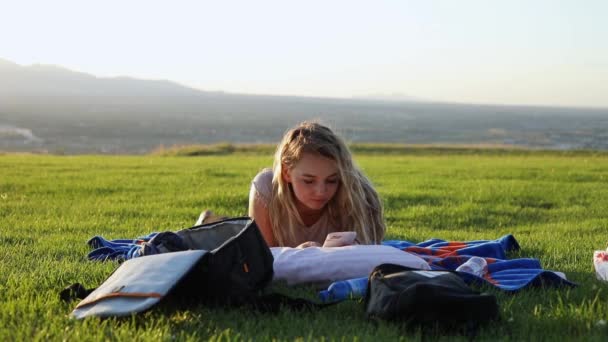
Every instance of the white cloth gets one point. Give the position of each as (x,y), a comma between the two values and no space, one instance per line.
(323,265)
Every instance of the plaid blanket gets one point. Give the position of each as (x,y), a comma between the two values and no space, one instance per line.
(507,275)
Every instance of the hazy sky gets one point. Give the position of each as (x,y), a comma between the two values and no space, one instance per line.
(512,52)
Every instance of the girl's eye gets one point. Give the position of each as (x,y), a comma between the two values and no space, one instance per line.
(307,181)
(333,181)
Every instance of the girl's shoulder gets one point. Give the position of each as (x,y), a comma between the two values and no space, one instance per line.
(262,183)
(263,177)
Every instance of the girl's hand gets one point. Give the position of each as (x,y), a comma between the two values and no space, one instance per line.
(309,244)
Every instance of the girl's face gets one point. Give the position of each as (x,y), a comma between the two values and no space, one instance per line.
(314,180)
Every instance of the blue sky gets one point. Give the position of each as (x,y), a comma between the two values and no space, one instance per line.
(506,52)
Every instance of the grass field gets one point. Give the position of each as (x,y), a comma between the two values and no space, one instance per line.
(556,206)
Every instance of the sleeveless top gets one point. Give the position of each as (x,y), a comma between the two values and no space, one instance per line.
(262,185)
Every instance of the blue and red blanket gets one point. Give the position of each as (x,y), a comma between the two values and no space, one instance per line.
(508,275)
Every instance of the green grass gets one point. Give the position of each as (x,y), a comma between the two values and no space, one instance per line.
(555,204)
(370,148)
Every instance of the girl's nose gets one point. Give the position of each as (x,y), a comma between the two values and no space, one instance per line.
(322,188)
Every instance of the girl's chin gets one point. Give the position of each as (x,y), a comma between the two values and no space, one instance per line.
(316,205)
(311,205)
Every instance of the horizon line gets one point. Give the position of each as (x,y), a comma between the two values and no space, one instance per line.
(361,98)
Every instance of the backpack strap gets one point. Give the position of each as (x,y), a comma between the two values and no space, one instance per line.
(273,302)
(74,291)
(268,303)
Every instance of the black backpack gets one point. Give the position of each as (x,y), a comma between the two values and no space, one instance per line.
(237,267)
(416,297)
(225,262)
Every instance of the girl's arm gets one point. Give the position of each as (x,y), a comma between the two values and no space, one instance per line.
(259,212)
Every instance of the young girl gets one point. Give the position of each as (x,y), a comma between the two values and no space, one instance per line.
(314,189)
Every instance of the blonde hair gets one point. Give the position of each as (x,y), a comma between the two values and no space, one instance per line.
(355,206)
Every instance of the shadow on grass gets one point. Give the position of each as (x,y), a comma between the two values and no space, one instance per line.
(339,321)
(215,174)
(16,241)
(526,252)
(535,203)
(474,218)
(531,312)
(396,202)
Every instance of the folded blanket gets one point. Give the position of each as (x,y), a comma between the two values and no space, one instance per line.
(507,275)
(120,250)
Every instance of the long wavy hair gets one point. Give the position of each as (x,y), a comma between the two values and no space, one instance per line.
(356,205)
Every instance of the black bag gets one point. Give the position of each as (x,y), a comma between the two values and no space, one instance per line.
(238,266)
(398,293)
(226,262)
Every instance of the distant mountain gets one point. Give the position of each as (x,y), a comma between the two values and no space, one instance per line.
(7,64)
(392,97)
(50,108)
(51,80)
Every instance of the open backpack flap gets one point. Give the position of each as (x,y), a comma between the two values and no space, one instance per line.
(222,262)
(399,293)
(138,284)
